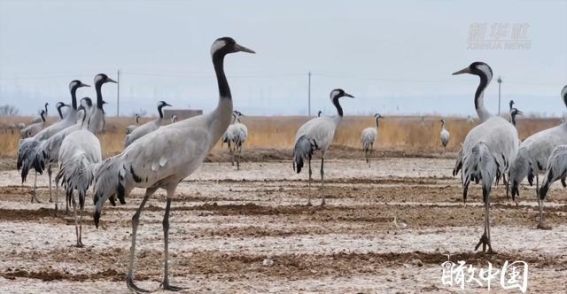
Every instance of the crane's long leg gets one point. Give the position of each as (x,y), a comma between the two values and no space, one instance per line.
(56,196)
(485,238)
(77,231)
(322,180)
(135,221)
(34,196)
(540,224)
(166,285)
(49,173)
(309,184)
(238,157)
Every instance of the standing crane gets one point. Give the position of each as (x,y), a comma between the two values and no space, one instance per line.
(317,135)
(488,147)
(444,135)
(163,159)
(368,137)
(534,153)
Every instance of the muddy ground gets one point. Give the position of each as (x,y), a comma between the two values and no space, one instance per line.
(249,231)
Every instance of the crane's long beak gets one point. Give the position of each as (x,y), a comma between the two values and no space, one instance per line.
(348,95)
(462,71)
(84,85)
(111,81)
(239,47)
(167,104)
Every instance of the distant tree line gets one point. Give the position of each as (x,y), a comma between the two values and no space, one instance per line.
(9,110)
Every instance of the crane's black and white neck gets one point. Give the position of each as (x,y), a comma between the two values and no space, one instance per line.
(60,105)
(42,114)
(46,104)
(161,104)
(335,95)
(100,80)
(564,95)
(73,86)
(484,72)
(220,48)
(378,117)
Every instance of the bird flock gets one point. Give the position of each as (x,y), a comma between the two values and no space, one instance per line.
(153,159)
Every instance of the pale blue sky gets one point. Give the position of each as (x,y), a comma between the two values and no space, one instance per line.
(396,57)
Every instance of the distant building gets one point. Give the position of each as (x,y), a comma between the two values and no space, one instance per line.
(181,113)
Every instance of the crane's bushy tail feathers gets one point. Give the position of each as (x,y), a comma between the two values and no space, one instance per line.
(519,169)
(76,173)
(458,163)
(479,165)
(26,154)
(556,169)
(302,151)
(109,182)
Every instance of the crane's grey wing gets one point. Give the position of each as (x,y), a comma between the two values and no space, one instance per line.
(156,156)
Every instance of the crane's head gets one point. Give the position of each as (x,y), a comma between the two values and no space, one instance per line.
(516,111)
(102,79)
(511,104)
(477,68)
(162,104)
(173,118)
(378,115)
(442,121)
(86,102)
(319,113)
(338,93)
(238,113)
(60,105)
(225,45)
(564,94)
(75,84)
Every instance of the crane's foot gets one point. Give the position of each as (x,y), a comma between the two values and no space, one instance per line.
(167,286)
(323,202)
(133,287)
(308,203)
(485,243)
(541,226)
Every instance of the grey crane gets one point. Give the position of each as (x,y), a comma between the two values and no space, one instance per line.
(47,153)
(368,136)
(238,133)
(317,135)
(79,153)
(556,169)
(162,159)
(33,128)
(488,147)
(39,118)
(534,152)
(319,113)
(173,118)
(444,135)
(130,128)
(27,147)
(146,128)
(97,118)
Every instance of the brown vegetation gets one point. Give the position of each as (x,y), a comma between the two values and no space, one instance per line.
(407,134)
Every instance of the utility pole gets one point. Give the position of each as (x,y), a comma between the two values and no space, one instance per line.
(309,94)
(499,88)
(118,94)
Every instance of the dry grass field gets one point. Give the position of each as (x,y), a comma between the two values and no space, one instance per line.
(407,134)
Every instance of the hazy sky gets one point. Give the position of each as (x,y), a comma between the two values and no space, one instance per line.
(394,56)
